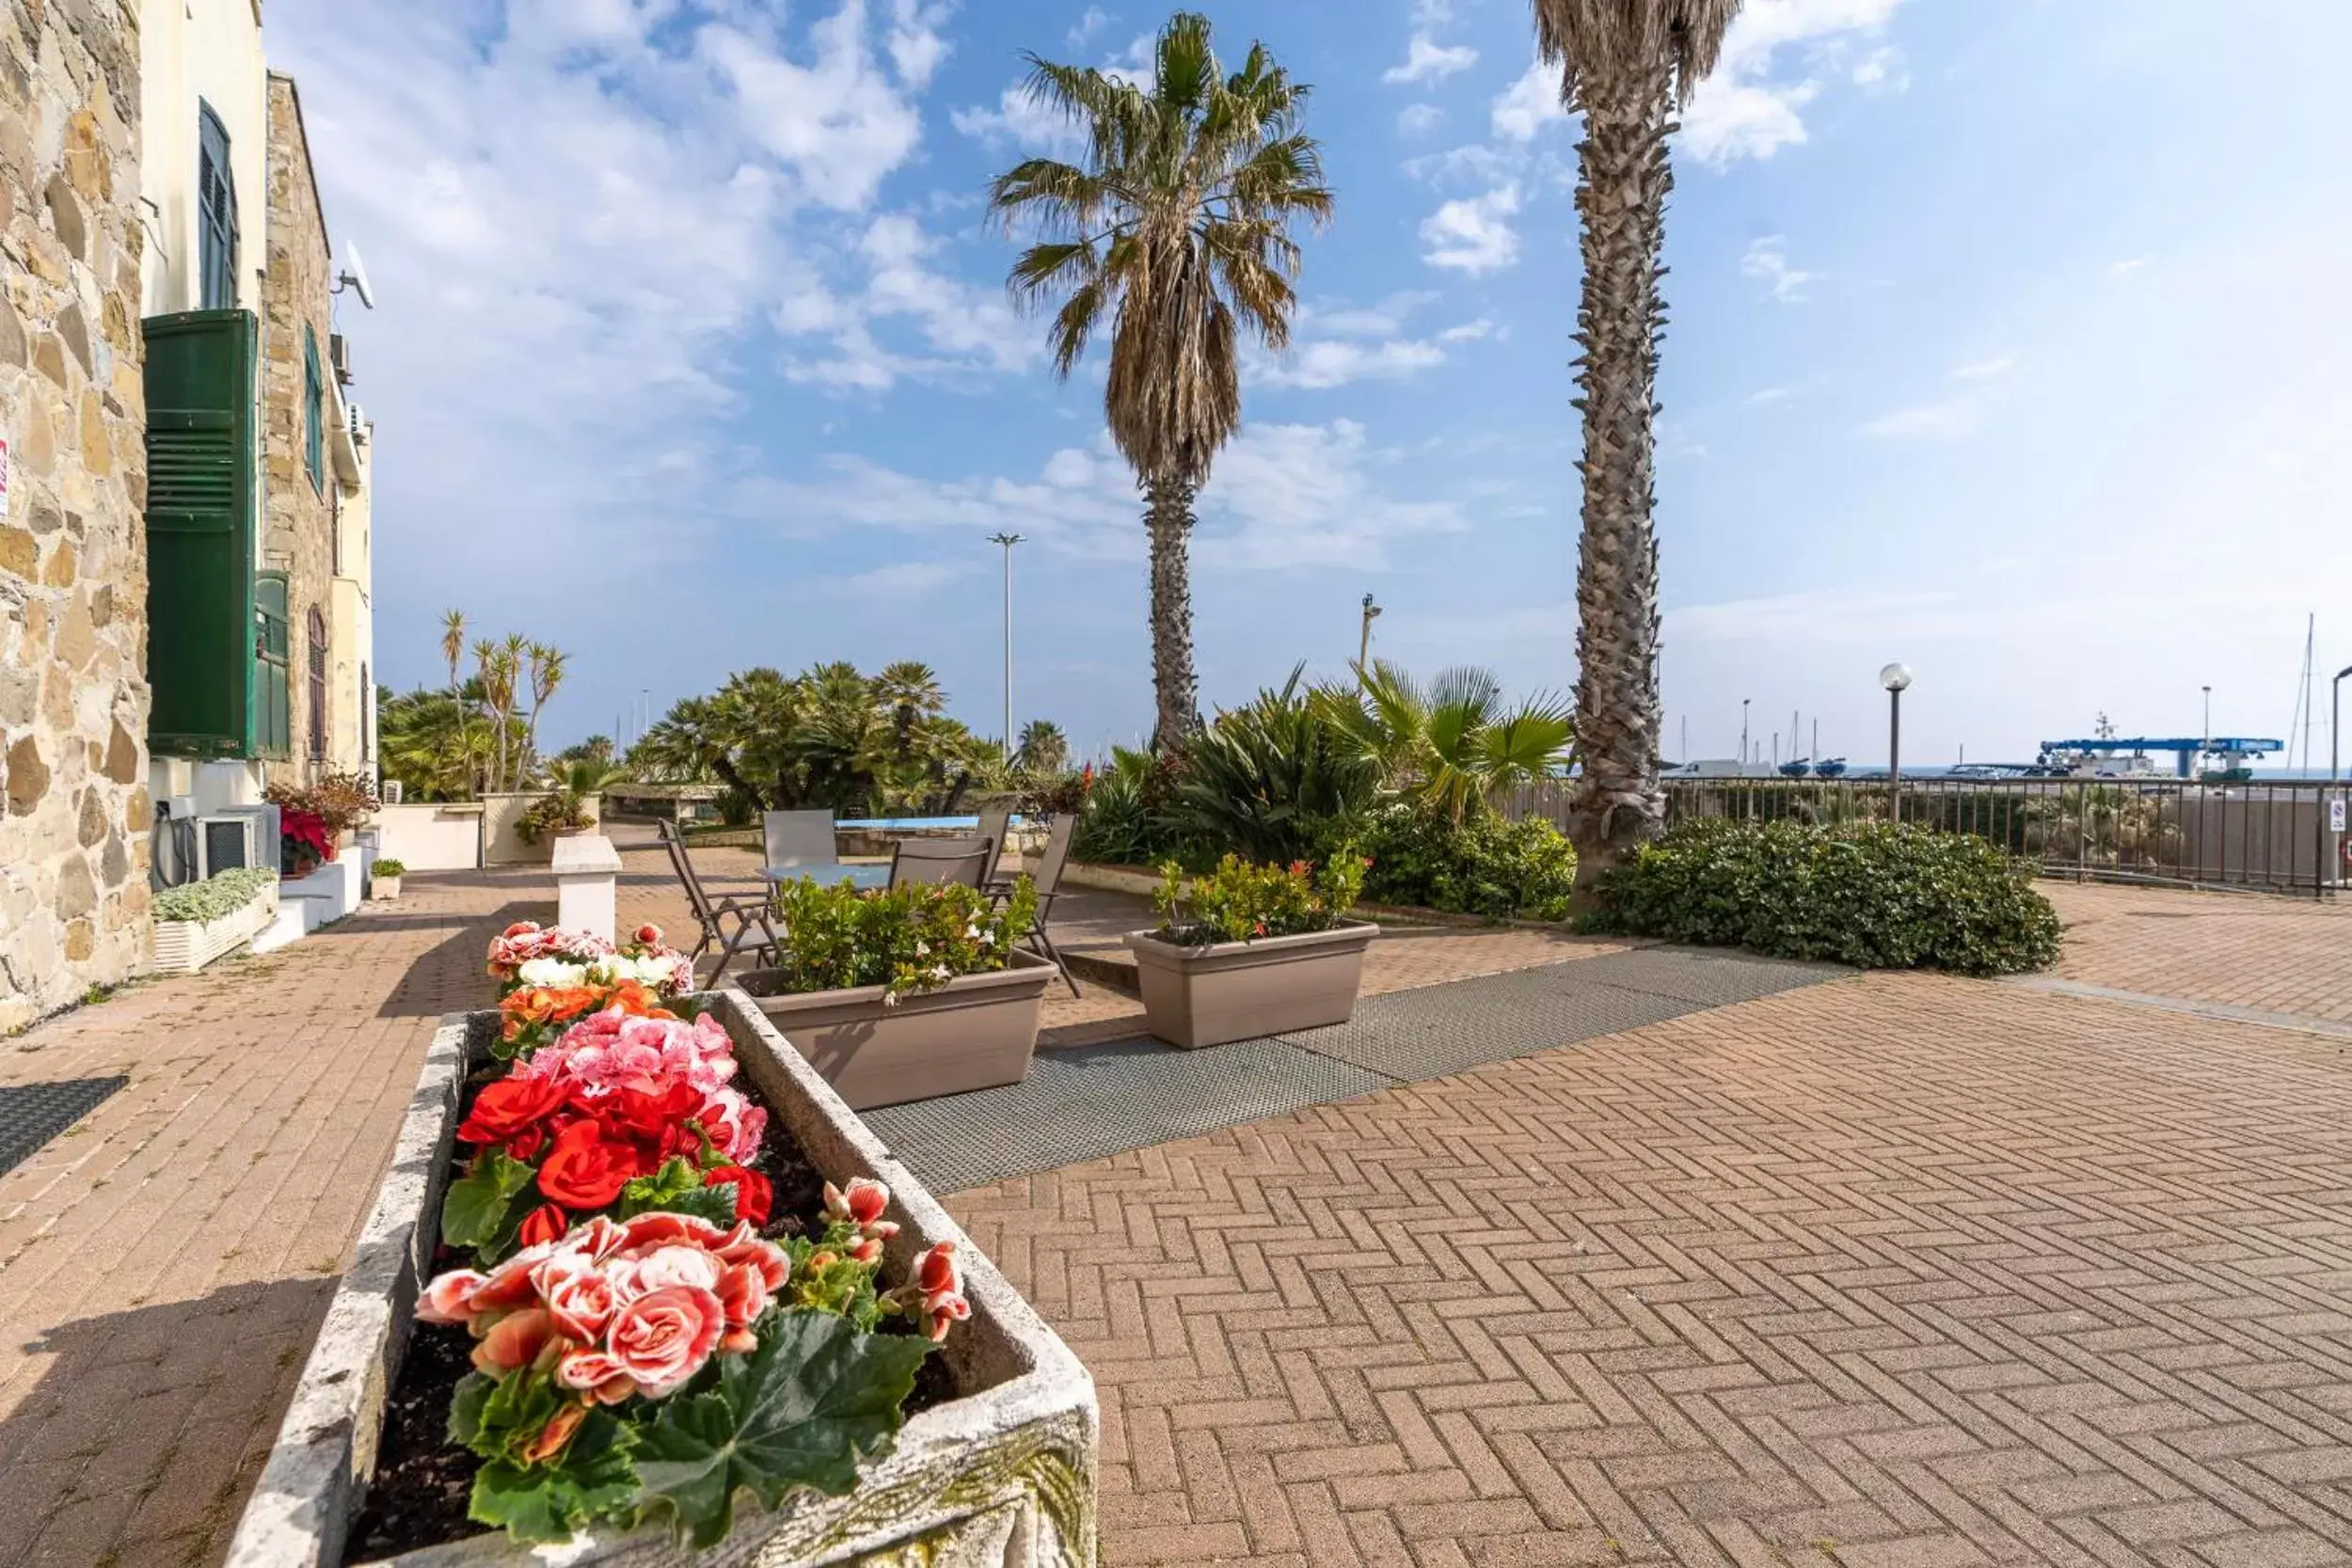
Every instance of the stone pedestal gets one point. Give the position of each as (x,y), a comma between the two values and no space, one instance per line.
(587,868)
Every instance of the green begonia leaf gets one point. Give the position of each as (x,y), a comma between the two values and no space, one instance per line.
(594,1477)
(801,1410)
(478,1205)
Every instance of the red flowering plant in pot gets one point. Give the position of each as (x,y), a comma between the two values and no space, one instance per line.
(303,841)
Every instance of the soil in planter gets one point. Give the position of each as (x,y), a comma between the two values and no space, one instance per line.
(418,1495)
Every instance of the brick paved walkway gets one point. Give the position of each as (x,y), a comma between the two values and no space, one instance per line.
(1895,1270)
(2291,956)
(1893,1260)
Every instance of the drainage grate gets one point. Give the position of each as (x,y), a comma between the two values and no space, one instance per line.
(1093,1100)
(1089,1101)
(32,1113)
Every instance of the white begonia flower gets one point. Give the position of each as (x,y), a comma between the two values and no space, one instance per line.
(548,972)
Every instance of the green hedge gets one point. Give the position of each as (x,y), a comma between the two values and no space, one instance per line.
(214,897)
(1869,894)
(1484,865)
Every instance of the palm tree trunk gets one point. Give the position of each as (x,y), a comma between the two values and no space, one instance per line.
(1168,514)
(1624,177)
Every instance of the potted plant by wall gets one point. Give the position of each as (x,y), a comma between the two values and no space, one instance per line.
(640,1290)
(1249,951)
(197,922)
(383,878)
(558,816)
(905,994)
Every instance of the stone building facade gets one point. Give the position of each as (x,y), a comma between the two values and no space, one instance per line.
(301,488)
(74,810)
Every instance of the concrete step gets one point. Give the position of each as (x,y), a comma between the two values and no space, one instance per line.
(290,926)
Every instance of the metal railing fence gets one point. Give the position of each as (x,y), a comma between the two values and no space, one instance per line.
(2266,834)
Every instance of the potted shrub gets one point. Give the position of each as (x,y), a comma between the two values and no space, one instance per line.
(557,816)
(197,922)
(383,878)
(906,994)
(1252,950)
(313,817)
(639,1289)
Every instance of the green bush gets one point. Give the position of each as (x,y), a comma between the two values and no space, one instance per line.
(1483,866)
(214,897)
(389,865)
(1871,894)
(1271,780)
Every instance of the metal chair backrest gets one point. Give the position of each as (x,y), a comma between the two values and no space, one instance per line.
(1049,865)
(993,825)
(798,837)
(937,861)
(683,864)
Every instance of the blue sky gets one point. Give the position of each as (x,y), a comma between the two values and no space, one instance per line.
(2007,339)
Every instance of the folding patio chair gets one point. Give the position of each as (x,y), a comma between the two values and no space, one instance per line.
(993,824)
(1048,879)
(940,860)
(713,914)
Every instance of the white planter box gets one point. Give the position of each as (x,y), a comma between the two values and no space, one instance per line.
(1002,1477)
(184,946)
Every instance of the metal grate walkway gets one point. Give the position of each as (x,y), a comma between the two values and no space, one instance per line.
(1089,1101)
(32,1113)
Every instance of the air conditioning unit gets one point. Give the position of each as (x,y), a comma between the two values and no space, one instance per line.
(226,842)
(391,792)
(338,355)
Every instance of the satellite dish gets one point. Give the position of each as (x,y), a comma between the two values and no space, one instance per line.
(355,273)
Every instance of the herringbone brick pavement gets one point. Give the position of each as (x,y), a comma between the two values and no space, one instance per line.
(2290,955)
(1899,1270)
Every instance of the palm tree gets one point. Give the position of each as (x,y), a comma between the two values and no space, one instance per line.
(1626,65)
(547,667)
(1043,748)
(1176,228)
(1451,744)
(452,648)
(910,688)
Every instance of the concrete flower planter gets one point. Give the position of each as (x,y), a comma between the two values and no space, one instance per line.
(383,890)
(975,1032)
(1243,990)
(1001,1476)
(184,946)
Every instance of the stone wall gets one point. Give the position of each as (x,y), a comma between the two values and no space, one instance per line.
(73,698)
(298,529)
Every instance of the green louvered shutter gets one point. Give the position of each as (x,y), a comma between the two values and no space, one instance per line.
(199,533)
(273,668)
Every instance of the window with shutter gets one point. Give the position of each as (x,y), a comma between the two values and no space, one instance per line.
(216,214)
(313,410)
(199,369)
(317,635)
(272,658)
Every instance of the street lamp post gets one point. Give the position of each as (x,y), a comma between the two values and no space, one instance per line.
(2335,764)
(1363,640)
(1744,734)
(1895,677)
(1008,540)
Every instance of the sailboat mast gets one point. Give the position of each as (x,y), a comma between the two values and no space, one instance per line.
(2310,636)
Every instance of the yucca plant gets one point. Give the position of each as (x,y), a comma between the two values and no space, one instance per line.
(1273,780)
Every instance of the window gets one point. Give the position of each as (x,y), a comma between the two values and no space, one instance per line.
(272,694)
(367,719)
(216,215)
(318,685)
(313,410)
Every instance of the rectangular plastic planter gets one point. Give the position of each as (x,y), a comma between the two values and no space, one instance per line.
(1002,1477)
(184,946)
(1245,991)
(975,1032)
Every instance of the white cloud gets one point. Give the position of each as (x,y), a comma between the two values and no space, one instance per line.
(1473,236)
(1771,394)
(1529,104)
(2127,266)
(1767,260)
(1093,22)
(916,46)
(1383,320)
(1307,496)
(1743,110)
(1986,369)
(1419,120)
(1426,60)
(1334,347)
(1472,165)
(1019,123)
(1946,420)
(965,328)
(901,579)
(838,124)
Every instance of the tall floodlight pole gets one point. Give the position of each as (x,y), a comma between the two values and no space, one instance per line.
(1744,734)
(1363,639)
(2335,766)
(1008,540)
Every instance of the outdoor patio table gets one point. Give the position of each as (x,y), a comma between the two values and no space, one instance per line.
(869,875)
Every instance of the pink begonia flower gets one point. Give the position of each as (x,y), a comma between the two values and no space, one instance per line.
(581,1304)
(449,1298)
(662,1339)
(862,1203)
(515,1341)
(596,1373)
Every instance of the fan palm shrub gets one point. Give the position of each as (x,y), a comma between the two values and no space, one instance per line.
(1451,745)
(1274,779)
(1175,229)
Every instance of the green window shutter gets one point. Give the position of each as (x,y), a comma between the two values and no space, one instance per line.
(273,648)
(313,410)
(199,532)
